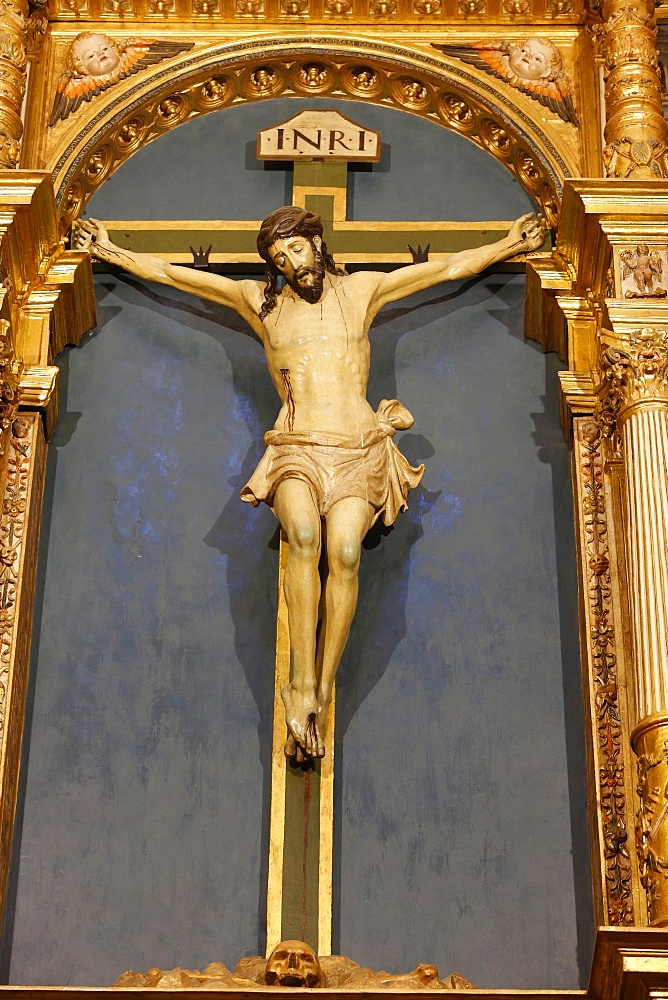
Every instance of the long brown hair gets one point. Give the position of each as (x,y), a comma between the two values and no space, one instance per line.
(280,225)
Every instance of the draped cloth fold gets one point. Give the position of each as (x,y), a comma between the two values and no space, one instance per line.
(336,466)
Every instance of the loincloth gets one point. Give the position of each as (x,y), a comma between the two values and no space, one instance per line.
(336,466)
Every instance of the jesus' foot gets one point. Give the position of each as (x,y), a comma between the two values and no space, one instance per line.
(293,751)
(301,716)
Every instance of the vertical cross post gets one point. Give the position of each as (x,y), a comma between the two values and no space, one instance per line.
(299,890)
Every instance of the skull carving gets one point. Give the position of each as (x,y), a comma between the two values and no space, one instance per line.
(293,963)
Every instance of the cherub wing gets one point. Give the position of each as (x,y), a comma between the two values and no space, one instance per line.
(72,91)
(628,262)
(143,52)
(137,53)
(655,261)
(489,58)
(553,94)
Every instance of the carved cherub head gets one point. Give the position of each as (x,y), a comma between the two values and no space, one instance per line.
(93,54)
(95,62)
(293,963)
(534,66)
(535,59)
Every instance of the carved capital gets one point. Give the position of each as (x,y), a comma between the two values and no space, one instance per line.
(633,375)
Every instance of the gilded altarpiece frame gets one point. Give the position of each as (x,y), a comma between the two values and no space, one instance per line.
(47,302)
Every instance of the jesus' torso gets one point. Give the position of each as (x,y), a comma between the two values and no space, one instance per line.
(318,358)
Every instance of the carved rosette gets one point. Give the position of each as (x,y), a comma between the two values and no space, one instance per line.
(634,397)
(615,863)
(13,59)
(636,132)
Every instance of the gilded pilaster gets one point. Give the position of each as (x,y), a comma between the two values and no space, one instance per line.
(604,288)
(46,300)
(602,652)
(634,405)
(13,59)
(19,534)
(635,130)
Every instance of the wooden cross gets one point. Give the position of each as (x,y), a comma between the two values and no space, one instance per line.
(302,800)
(319,186)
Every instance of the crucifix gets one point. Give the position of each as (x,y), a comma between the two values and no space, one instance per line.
(331,467)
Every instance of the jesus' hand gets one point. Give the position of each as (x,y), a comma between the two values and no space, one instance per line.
(86,233)
(529,232)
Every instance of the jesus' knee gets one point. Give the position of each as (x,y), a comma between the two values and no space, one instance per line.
(304,538)
(343,556)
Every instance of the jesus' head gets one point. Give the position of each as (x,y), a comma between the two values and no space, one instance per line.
(290,243)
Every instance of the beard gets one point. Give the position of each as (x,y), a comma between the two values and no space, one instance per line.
(312,291)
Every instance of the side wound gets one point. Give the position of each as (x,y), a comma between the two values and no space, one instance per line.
(290,400)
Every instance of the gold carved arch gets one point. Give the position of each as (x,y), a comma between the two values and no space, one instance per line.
(352,69)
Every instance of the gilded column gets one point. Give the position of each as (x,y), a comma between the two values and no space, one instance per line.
(13,18)
(636,131)
(635,404)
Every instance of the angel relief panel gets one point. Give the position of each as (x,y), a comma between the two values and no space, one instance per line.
(94,62)
(535,66)
(643,272)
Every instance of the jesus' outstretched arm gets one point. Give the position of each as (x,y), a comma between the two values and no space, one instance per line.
(243,296)
(526,233)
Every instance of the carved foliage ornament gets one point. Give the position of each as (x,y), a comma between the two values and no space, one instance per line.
(609,760)
(10,149)
(12,524)
(534,66)
(629,37)
(10,376)
(12,48)
(651,838)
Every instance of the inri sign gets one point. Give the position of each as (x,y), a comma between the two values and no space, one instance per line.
(318,135)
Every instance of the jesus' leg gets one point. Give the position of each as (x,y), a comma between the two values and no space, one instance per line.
(347,523)
(299,517)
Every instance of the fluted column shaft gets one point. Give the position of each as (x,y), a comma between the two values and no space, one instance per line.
(636,131)
(636,403)
(645,446)
(637,400)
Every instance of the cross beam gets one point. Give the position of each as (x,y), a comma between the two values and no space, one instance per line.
(321,187)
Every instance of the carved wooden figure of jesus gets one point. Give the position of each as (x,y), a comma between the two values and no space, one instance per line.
(330,468)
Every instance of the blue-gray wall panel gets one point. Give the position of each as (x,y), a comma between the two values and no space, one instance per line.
(206,169)
(460,829)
